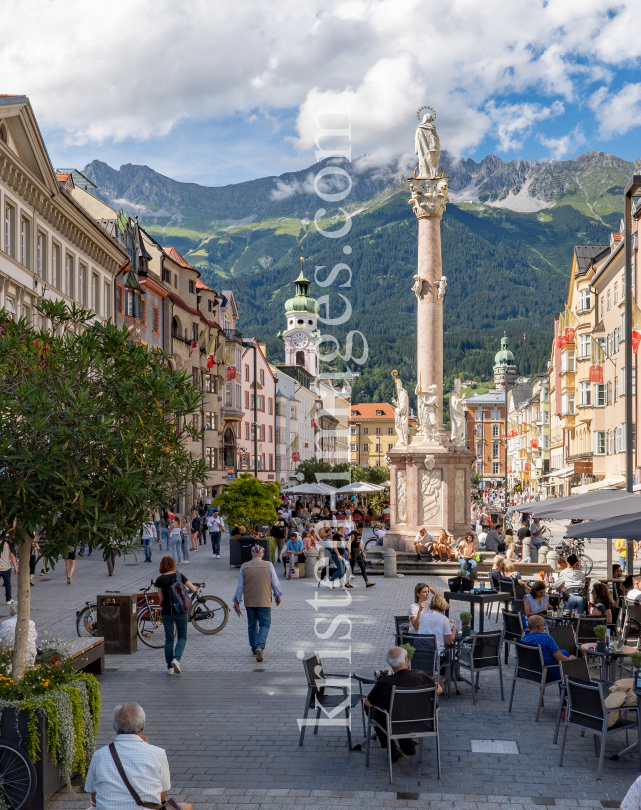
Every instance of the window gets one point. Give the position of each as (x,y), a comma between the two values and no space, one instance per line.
(155,324)
(353,430)
(175,281)
(239,393)
(495,431)
(389,447)
(366,447)
(495,450)
(608,297)
(25,242)
(210,307)
(271,461)
(106,300)
(599,395)
(210,384)
(247,373)
(378,431)
(496,467)
(56,267)
(292,413)
(194,421)
(379,413)
(119,297)
(270,434)
(195,375)
(616,292)
(246,400)
(611,440)
(616,389)
(584,347)
(95,293)
(365,431)
(166,276)
(270,405)
(378,448)
(10,230)
(82,285)
(133,304)
(70,270)
(210,421)
(585,394)
(191,287)
(261,403)
(623,382)
(390,431)
(618,443)
(41,258)
(247,430)
(567,404)
(210,457)
(194,332)
(567,361)
(608,393)
(10,306)
(261,376)
(584,300)
(602,307)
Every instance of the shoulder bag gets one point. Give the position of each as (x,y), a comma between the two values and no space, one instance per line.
(168,804)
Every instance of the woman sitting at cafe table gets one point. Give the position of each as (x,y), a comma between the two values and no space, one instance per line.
(419,606)
(537,600)
(601,603)
(572,582)
(434,622)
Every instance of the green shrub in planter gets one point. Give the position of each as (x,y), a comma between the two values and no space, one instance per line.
(600,631)
(466,618)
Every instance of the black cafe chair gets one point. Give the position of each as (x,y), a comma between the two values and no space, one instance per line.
(426,657)
(318,698)
(564,637)
(413,713)
(530,668)
(586,711)
(512,629)
(482,653)
(401,625)
(585,629)
(578,670)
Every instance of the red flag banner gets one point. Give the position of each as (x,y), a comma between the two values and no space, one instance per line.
(569,334)
(295,455)
(314,423)
(534,444)
(636,339)
(561,341)
(210,361)
(193,344)
(231,372)
(596,374)
(527,466)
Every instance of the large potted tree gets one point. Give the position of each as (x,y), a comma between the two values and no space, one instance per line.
(251,504)
(94,432)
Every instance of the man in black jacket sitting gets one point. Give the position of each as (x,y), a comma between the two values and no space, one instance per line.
(381,695)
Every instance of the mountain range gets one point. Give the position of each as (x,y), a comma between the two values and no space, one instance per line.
(507,240)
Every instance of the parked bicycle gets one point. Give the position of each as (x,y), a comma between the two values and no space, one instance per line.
(208,614)
(575,546)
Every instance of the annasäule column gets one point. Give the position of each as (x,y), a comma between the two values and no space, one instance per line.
(429,198)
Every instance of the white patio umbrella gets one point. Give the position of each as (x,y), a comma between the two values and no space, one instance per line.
(360,486)
(309,489)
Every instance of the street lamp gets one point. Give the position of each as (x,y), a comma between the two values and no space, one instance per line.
(252,345)
(633,189)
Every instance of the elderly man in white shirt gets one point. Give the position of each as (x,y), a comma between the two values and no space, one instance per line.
(144,765)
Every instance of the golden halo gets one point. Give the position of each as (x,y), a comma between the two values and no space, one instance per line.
(418,112)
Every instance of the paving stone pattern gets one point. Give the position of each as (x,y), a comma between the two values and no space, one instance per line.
(229,724)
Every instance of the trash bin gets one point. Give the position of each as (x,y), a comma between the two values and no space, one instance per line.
(118,622)
(240,548)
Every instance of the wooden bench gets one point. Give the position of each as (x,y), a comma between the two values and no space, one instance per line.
(88,654)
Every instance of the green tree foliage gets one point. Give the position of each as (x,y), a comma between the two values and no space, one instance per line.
(312,466)
(248,502)
(89,439)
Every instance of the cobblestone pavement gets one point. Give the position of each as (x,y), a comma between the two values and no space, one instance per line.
(229,724)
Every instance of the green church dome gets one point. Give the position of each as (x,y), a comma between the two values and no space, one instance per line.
(301,302)
(504,357)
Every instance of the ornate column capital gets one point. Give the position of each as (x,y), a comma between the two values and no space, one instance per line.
(429,196)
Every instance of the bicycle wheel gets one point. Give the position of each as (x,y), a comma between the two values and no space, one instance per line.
(586,564)
(87,621)
(209,614)
(150,628)
(17,777)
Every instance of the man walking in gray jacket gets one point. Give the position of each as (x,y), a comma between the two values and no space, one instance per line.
(256,583)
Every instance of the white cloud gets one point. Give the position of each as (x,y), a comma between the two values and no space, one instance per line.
(617,113)
(135,68)
(566,144)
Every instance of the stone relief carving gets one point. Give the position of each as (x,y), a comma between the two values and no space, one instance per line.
(400,496)
(429,197)
(459,496)
(457,414)
(441,287)
(430,492)
(401,412)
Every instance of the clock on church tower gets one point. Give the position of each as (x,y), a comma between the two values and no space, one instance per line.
(301,337)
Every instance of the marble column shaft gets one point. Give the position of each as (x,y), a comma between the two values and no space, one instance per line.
(429,315)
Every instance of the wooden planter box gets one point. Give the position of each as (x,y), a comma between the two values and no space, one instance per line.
(48,779)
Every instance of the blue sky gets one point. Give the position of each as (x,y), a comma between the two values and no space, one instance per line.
(217,94)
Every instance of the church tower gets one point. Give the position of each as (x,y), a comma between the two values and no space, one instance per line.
(504,366)
(301,337)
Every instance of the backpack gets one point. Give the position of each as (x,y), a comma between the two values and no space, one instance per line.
(179,596)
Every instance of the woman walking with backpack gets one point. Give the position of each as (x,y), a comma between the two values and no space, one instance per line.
(173,588)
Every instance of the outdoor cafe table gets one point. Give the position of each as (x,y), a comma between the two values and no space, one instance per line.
(480,599)
(608,658)
(552,619)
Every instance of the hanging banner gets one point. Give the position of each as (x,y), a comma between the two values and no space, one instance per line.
(534,444)
(231,372)
(636,339)
(561,341)
(569,334)
(314,423)
(596,374)
(527,466)
(210,361)
(295,455)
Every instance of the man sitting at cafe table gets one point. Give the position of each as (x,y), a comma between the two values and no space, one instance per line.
(634,595)
(549,648)
(379,698)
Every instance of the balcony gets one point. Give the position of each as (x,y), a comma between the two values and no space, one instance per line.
(233,335)
(567,420)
